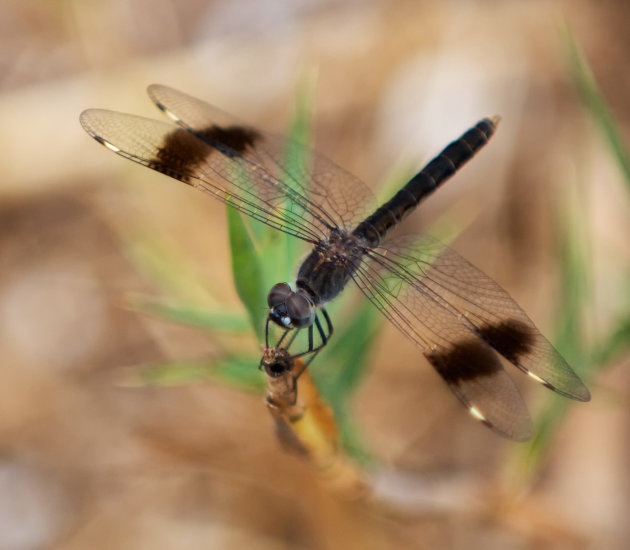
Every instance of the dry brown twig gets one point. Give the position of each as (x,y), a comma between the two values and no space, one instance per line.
(305,424)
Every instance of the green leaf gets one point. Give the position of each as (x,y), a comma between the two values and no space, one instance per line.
(246,270)
(158,259)
(573,246)
(615,345)
(297,156)
(239,372)
(184,314)
(575,290)
(260,257)
(173,373)
(595,103)
(346,356)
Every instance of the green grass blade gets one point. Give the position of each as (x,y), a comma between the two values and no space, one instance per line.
(595,103)
(159,261)
(167,374)
(297,156)
(615,345)
(193,316)
(345,358)
(261,258)
(618,341)
(246,270)
(574,296)
(238,372)
(575,266)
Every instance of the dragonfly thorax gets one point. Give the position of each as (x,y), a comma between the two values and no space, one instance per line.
(327,269)
(290,309)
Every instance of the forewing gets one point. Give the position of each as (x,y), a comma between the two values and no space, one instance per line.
(329,191)
(218,162)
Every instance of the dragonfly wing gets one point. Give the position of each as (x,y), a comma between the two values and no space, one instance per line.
(460,317)
(328,190)
(489,311)
(485,308)
(216,163)
(470,367)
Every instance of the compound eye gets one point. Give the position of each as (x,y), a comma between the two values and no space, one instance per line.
(278,294)
(300,310)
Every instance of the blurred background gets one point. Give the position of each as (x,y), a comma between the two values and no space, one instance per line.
(88,462)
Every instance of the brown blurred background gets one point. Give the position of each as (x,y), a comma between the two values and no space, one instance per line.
(85,463)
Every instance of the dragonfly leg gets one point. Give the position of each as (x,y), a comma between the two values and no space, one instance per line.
(325,332)
(279,342)
(329,325)
(322,333)
(310,337)
(291,340)
(306,364)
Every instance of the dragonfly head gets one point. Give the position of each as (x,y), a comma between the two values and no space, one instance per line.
(290,309)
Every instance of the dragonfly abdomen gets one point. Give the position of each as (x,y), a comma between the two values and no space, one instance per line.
(374,228)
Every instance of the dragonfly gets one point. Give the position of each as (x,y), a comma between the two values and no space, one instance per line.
(460,318)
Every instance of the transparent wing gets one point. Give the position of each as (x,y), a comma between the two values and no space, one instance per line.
(237,164)
(220,170)
(333,193)
(460,318)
